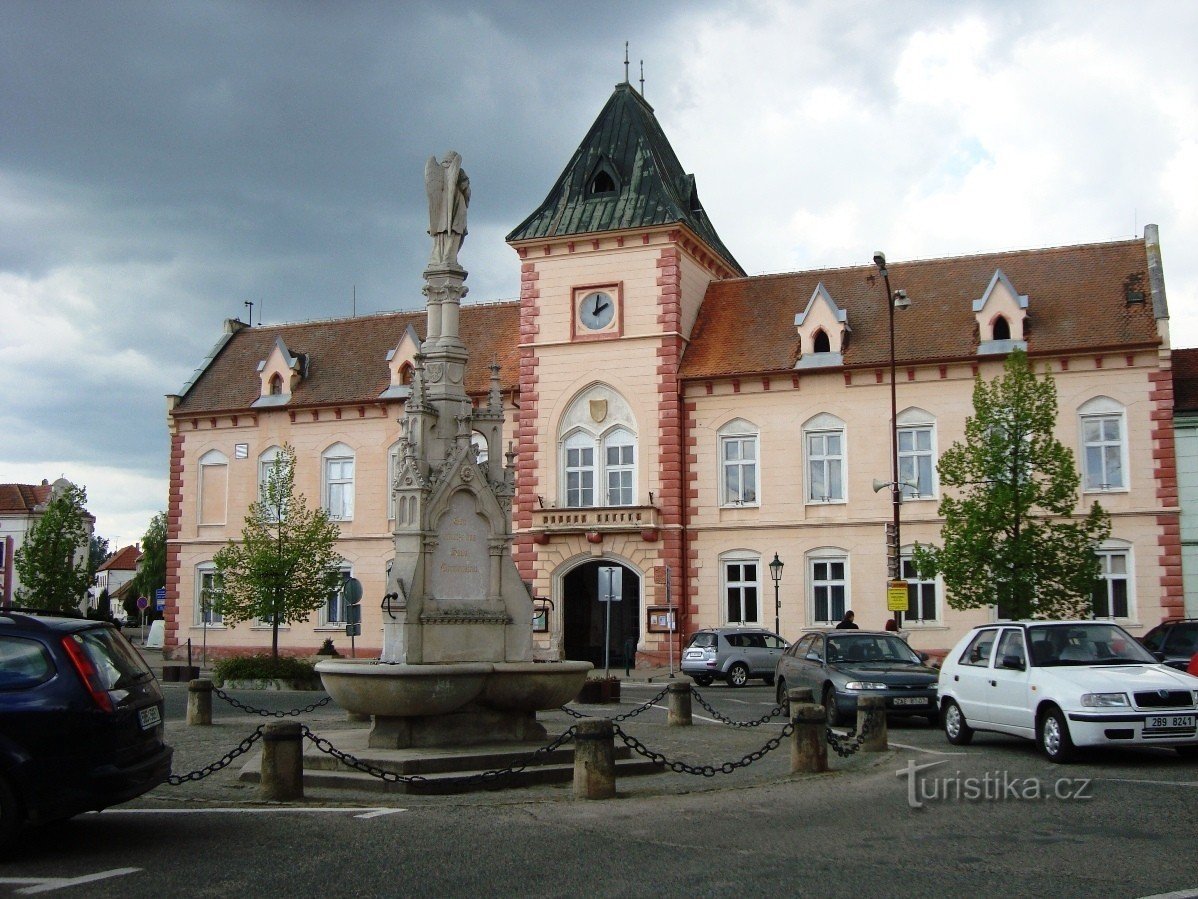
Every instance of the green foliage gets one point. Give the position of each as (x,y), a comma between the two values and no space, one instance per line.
(1011,533)
(264,667)
(97,555)
(151,570)
(53,561)
(286,564)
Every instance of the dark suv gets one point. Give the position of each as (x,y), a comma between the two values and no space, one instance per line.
(80,720)
(1173,642)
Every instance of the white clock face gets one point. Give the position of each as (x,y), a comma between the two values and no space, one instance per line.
(596,310)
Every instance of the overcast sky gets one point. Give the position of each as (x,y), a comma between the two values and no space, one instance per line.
(161,163)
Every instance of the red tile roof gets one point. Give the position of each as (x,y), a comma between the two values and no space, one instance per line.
(347,361)
(1076,302)
(1185,380)
(21,498)
(124,559)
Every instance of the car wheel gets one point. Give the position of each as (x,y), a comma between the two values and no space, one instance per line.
(1187,752)
(832,708)
(10,814)
(738,675)
(780,694)
(1054,736)
(955,729)
(703,680)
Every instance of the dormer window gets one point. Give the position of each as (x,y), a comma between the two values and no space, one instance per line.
(1002,317)
(276,385)
(280,373)
(824,327)
(604,180)
(400,366)
(603,183)
(405,375)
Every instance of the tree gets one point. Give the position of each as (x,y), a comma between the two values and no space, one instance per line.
(286,564)
(151,570)
(53,561)
(97,555)
(1011,534)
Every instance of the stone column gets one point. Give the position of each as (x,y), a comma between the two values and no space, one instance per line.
(594,760)
(872,709)
(680,705)
(199,701)
(282,761)
(809,742)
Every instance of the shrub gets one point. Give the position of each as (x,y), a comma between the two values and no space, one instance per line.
(263,667)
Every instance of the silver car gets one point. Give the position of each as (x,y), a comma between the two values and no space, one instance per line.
(734,654)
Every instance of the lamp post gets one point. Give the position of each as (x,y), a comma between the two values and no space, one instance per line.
(776,574)
(894,300)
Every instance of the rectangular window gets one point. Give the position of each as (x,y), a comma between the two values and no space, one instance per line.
(921,595)
(829,590)
(1111,593)
(339,485)
(825,467)
(1103,439)
(619,475)
(915,461)
(333,612)
(741,591)
(266,468)
(206,594)
(580,477)
(740,470)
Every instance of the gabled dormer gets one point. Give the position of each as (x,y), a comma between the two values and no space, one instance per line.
(279,372)
(401,364)
(823,330)
(1001,315)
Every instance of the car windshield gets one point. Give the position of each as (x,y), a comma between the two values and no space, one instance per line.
(870,648)
(1085,644)
(704,640)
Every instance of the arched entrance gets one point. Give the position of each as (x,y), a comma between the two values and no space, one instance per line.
(584,615)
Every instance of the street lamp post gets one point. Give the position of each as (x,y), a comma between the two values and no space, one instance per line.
(897,299)
(776,573)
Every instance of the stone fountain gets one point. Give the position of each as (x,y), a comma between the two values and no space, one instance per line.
(456,667)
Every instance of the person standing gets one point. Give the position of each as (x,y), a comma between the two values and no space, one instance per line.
(847,623)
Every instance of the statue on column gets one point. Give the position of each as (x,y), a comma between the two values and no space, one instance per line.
(448,196)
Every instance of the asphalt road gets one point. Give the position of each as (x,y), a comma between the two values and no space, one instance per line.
(1122,824)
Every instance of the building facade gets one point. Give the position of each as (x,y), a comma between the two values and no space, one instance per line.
(677,424)
(21,507)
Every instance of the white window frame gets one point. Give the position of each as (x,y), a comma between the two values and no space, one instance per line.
(337,480)
(1097,410)
(741,434)
(338,596)
(814,584)
(619,439)
(1105,554)
(914,581)
(581,442)
(914,422)
(822,427)
(741,584)
(202,571)
(266,460)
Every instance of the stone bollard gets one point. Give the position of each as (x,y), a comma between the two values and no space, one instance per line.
(872,708)
(799,694)
(594,760)
(283,761)
(809,742)
(680,705)
(199,701)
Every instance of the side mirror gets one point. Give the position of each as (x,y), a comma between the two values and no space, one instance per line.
(1013,662)
(813,657)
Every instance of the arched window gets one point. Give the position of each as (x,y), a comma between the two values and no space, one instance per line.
(1002,328)
(619,466)
(213,487)
(824,444)
(917,453)
(405,374)
(479,442)
(739,452)
(1103,439)
(820,343)
(597,448)
(602,183)
(276,384)
(337,463)
(579,449)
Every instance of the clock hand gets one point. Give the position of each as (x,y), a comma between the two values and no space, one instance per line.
(599,309)
(596,312)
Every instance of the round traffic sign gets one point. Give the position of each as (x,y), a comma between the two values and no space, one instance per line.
(143,603)
(352,591)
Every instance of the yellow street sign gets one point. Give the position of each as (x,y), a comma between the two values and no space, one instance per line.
(896,596)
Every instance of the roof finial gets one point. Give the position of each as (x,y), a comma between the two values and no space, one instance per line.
(626,62)
(642,78)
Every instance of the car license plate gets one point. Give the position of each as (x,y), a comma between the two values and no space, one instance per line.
(149,717)
(1170,723)
(910,700)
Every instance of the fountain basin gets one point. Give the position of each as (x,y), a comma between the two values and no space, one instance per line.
(369,687)
(520,686)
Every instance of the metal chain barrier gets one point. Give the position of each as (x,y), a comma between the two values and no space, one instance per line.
(769,716)
(705,770)
(846,745)
(237,704)
(393,777)
(632,714)
(199,774)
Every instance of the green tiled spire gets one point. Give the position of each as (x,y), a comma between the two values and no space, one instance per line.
(624,174)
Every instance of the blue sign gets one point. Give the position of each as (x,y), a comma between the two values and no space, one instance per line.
(160,599)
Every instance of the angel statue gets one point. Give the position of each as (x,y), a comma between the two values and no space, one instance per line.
(448,196)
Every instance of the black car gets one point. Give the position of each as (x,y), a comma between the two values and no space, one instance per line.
(1173,642)
(80,720)
(842,665)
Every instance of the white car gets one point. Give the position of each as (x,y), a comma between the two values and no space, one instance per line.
(1066,684)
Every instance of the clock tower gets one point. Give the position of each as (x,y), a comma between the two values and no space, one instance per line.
(615,263)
